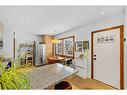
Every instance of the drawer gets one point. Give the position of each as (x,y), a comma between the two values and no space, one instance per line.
(82,72)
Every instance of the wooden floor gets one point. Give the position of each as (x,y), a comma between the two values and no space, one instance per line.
(80,83)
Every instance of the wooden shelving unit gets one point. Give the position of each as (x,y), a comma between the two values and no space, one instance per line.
(29,60)
(28,49)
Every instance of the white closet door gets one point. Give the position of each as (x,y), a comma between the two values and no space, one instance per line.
(106,57)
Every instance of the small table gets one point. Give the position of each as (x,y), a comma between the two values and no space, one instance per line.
(55,59)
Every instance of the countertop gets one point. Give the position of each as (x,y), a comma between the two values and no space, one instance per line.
(45,76)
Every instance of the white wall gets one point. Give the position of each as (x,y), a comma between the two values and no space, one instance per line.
(7,49)
(125,50)
(20,37)
(23,37)
(84,33)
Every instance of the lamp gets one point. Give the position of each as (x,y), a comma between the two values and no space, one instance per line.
(55,41)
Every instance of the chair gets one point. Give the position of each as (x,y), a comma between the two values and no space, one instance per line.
(69,62)
(63,85)
(8,66)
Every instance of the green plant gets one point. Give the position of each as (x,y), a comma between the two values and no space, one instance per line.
(84,55)
(13,79)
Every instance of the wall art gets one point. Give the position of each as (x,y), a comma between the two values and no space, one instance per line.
(68,47)
(59,48)
(78,46)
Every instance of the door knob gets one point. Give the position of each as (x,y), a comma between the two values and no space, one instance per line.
(94,58)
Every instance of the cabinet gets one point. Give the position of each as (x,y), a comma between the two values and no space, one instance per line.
(29,60)
(25,50)
(81,66)
(49,49)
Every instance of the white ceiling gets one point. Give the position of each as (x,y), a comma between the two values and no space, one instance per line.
(48,19)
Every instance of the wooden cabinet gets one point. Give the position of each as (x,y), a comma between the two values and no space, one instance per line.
(44,39)
(49,48)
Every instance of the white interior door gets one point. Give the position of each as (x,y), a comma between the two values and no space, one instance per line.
(106,57)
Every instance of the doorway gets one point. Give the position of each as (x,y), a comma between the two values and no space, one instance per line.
(107,56)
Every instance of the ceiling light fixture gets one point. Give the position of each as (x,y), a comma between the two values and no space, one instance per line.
(26,20)
(55,41)
(55,31)
(103,13)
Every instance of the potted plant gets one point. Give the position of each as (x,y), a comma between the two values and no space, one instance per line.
(12,78)
(84,55)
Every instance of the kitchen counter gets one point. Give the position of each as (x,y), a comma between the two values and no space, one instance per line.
(45,76)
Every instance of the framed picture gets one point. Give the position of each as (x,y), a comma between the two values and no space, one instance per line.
(105,39)
(78,46)
(85,45)
(68,46)
(59,48)
(1,43)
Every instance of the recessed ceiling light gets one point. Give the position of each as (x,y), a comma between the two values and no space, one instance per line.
(24,27)
(103,13)
(26,20)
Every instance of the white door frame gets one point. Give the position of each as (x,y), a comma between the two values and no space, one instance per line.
(121,27)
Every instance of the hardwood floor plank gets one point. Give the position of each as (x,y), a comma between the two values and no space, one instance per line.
(80,83)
